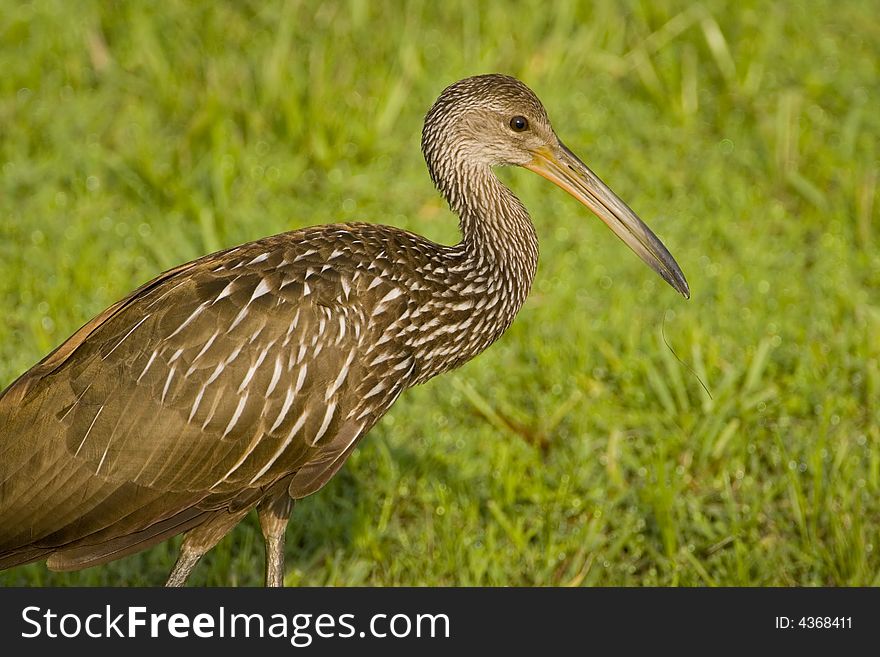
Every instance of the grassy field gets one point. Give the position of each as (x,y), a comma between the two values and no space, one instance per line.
(579,450)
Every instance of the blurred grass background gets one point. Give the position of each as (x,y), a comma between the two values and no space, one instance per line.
(578,450)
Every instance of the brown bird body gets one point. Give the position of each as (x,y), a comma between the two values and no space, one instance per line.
(245,378)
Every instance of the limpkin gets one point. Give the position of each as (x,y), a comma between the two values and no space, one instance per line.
(244,379)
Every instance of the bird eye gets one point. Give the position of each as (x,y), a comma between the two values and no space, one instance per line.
(519,124)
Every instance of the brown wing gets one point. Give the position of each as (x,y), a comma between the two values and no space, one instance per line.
(197,392)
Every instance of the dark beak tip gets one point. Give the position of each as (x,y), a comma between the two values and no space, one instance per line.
(677,282)
(683,288)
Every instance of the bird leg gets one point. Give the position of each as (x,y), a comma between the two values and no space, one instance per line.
(274,512)
(186,561)
(199,540)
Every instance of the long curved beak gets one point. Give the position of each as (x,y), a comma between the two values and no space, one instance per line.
(563,168)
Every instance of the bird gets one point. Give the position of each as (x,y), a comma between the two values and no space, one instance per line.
(244,379)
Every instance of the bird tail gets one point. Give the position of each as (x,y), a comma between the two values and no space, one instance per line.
(21,557)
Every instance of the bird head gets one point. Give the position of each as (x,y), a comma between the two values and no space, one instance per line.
(496,120)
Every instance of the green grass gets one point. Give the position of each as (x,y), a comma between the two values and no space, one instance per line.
(578,450)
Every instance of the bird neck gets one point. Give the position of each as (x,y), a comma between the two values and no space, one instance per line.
(490,272)
(497,232)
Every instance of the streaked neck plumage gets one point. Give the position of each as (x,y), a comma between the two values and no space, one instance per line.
(496,229)
(492,268)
